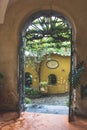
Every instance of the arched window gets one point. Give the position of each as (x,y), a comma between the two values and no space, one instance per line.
(28,79)
(52,79)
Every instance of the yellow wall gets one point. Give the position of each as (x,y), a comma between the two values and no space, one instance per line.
(61,72)
(32,71)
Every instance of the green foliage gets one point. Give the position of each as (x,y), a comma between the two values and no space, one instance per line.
(47,34)
(27,100)
(43,84)
(48,26)
(43,87)
(74,77)
(31,92)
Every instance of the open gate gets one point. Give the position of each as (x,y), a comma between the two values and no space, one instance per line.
(21,84)
(72,92)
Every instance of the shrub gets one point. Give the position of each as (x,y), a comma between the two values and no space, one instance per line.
(27,100)
(31,92)
(43,84)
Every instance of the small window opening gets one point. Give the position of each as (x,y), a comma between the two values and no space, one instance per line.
(52,79)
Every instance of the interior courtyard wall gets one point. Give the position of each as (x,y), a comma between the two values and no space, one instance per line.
(15,17)
(61,71)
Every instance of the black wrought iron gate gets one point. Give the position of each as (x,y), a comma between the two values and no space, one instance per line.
(71,92)
(21,76)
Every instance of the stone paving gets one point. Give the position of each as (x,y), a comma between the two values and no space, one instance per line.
(55,104)
(50,109)
(59,99)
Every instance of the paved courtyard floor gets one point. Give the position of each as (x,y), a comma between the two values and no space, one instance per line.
(48,109)
(54,104)
(59,99)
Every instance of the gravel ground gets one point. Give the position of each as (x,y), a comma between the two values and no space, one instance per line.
(60,100)
(54,104)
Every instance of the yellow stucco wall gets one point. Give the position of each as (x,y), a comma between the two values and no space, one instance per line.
(61,72)
(15,17)
(32,71)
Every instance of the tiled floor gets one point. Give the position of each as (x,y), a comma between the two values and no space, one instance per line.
(38,121)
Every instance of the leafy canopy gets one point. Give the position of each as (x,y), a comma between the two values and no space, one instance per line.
(48,34)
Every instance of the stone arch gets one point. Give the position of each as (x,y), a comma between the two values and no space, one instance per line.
(21,51)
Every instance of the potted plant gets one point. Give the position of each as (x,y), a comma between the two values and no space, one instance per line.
(43,87)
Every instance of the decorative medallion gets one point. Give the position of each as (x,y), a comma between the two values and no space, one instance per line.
(52,64)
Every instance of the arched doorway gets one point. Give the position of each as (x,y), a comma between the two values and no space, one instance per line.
(28,80)
(47,19)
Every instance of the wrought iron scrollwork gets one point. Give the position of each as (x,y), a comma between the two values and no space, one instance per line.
(21,76)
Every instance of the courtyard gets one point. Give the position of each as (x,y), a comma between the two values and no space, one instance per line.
(53,104)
